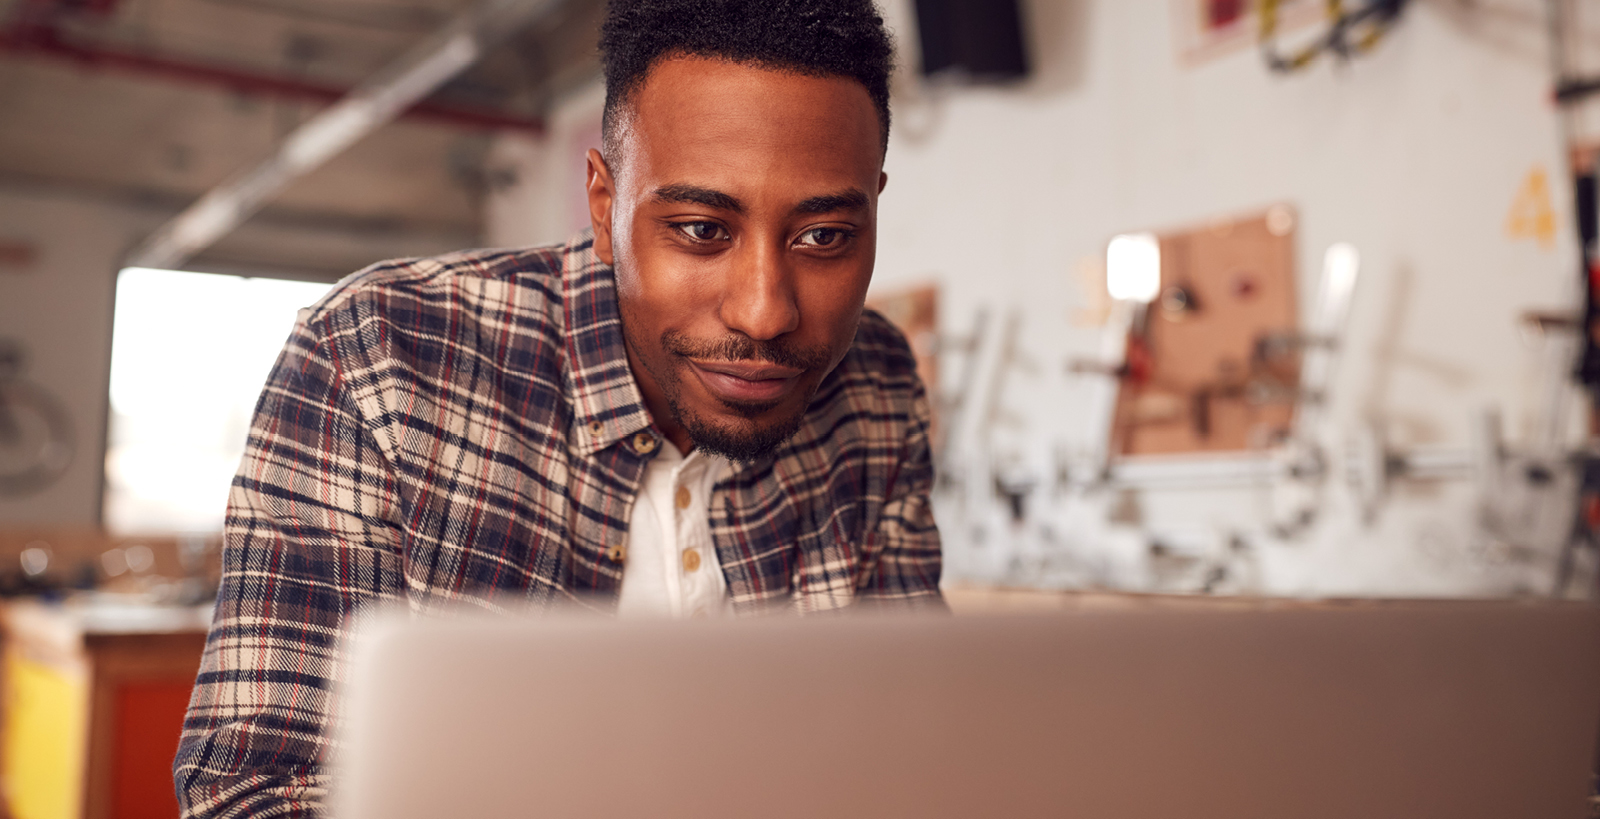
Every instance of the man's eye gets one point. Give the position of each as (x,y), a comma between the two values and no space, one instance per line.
(823,237)
(702,231)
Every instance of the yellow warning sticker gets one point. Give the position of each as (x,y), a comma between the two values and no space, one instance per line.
(1533,214)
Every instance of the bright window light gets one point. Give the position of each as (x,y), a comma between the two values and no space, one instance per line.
(1133,267)
(189,355)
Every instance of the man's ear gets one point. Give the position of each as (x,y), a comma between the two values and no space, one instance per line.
(602,193)
(883,181)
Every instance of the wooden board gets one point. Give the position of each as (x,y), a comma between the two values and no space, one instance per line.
(916,312)
(1220,376)
(1206,30)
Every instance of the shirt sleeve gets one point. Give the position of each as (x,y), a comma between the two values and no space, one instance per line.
(906,540)
(311,537)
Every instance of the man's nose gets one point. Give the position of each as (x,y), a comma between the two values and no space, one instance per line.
(758,297)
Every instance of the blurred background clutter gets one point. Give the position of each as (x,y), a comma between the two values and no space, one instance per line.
(1215,298)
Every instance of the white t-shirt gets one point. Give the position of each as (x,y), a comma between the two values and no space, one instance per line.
(671,568)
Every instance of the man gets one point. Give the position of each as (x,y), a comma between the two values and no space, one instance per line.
(684,411)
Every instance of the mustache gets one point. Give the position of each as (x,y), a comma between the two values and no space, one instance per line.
(735,347)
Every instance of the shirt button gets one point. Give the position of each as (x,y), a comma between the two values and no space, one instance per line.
(691,560)
(617,554)
(644,443)
(596,428)
(683,497)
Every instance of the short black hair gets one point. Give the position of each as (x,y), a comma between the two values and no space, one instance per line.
(822,38)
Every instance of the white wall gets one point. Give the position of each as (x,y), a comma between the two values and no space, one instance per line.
(60,308)
(539,198)
(1413,153)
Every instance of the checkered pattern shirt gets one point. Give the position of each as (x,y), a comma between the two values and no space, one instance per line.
(465,431)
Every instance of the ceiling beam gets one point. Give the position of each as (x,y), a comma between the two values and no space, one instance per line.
(164,204)
(371,105)
(50,43)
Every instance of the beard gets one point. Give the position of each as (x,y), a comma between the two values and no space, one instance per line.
(747,437)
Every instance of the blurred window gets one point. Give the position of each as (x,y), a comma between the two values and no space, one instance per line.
(189,355)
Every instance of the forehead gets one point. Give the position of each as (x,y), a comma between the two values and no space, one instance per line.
(725,125)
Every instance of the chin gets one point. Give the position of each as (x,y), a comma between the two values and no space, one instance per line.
(744,437)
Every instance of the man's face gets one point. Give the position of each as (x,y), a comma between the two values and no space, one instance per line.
(741,225)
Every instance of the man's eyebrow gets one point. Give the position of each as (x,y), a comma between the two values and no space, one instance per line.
(852,199)
(693,195)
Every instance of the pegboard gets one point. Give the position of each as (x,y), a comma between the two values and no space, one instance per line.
(915,311)
(1214,362)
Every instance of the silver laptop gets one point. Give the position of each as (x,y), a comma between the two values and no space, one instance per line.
(1461,710)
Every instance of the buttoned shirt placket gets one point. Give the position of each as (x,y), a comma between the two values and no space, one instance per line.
(671,566)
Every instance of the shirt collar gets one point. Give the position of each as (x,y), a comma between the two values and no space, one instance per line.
(607,404)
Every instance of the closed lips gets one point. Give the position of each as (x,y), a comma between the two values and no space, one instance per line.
(745,382)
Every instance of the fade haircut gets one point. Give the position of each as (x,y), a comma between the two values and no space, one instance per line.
(818,38)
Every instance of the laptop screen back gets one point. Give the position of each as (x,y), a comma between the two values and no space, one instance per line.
(1469,710)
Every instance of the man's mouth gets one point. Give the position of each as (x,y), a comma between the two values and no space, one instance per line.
(745,382)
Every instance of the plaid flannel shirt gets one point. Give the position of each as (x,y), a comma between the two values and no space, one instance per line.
(466,431)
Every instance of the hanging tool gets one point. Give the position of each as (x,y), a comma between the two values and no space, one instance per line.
(1349,32)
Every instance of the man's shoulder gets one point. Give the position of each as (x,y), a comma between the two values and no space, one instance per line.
(875,394)
(880,356)
(512,278)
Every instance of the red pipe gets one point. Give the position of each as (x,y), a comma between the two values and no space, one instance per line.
(42,40)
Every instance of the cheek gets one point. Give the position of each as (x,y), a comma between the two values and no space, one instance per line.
(624,263)
(650,280)
(677,289)
(833,306)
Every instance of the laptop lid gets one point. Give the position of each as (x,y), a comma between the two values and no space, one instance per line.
(1469,710)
